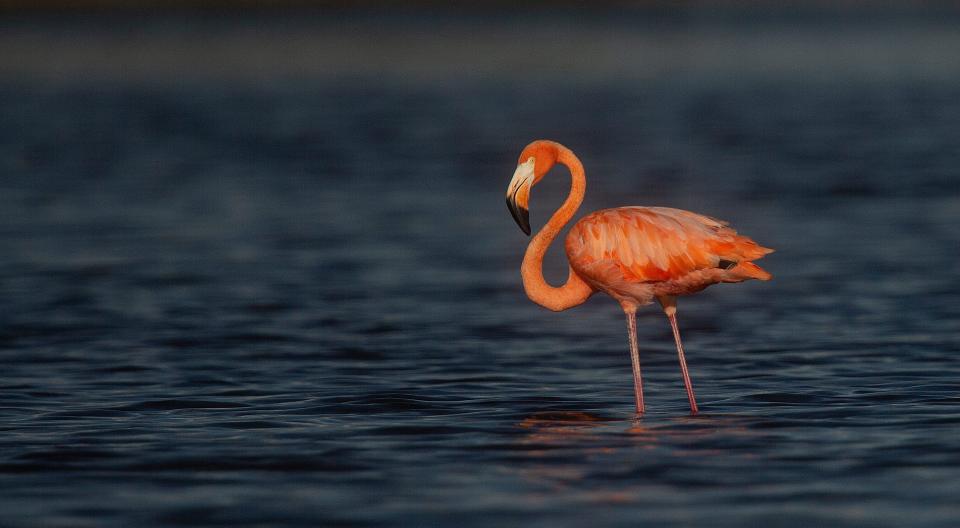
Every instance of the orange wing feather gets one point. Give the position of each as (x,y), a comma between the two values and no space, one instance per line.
(653,244)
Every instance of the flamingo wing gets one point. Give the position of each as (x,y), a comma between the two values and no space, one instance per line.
(655,244)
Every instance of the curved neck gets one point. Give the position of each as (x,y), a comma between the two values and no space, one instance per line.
(575,291)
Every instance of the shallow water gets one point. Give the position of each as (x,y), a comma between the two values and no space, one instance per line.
(298,303)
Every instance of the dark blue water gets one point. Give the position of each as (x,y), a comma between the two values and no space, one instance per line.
(228,302)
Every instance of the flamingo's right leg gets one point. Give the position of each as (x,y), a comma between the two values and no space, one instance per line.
(670,308)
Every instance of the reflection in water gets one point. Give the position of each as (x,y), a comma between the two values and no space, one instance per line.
(563,449)
(573,433)
(560,428)
(553,427)
(689,435)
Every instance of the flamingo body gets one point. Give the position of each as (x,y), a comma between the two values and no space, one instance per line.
(634,254)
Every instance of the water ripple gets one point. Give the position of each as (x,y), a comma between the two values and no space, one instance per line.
(298,303)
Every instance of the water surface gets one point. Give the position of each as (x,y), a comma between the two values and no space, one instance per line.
(243,303)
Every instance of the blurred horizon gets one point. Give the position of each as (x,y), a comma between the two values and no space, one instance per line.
(385,3)
(795,6)
(426,41)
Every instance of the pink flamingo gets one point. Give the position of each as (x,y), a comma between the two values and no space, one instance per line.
(633,254)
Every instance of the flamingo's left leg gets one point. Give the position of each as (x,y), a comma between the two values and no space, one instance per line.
(669,304)
(631,311)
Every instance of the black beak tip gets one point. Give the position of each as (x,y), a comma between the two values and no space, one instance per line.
(525,222)
(521,215)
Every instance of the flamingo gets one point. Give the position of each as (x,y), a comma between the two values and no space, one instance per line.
(633,254)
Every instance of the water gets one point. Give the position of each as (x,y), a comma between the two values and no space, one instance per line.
(226,301)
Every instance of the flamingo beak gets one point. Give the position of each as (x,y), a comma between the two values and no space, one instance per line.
(518,194)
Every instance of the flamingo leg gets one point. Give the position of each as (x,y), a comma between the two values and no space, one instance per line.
(635,359)
(672,315)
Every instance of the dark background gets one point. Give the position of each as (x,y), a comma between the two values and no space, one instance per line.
(256,268)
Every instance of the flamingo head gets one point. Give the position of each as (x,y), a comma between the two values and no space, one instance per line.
(534,163)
